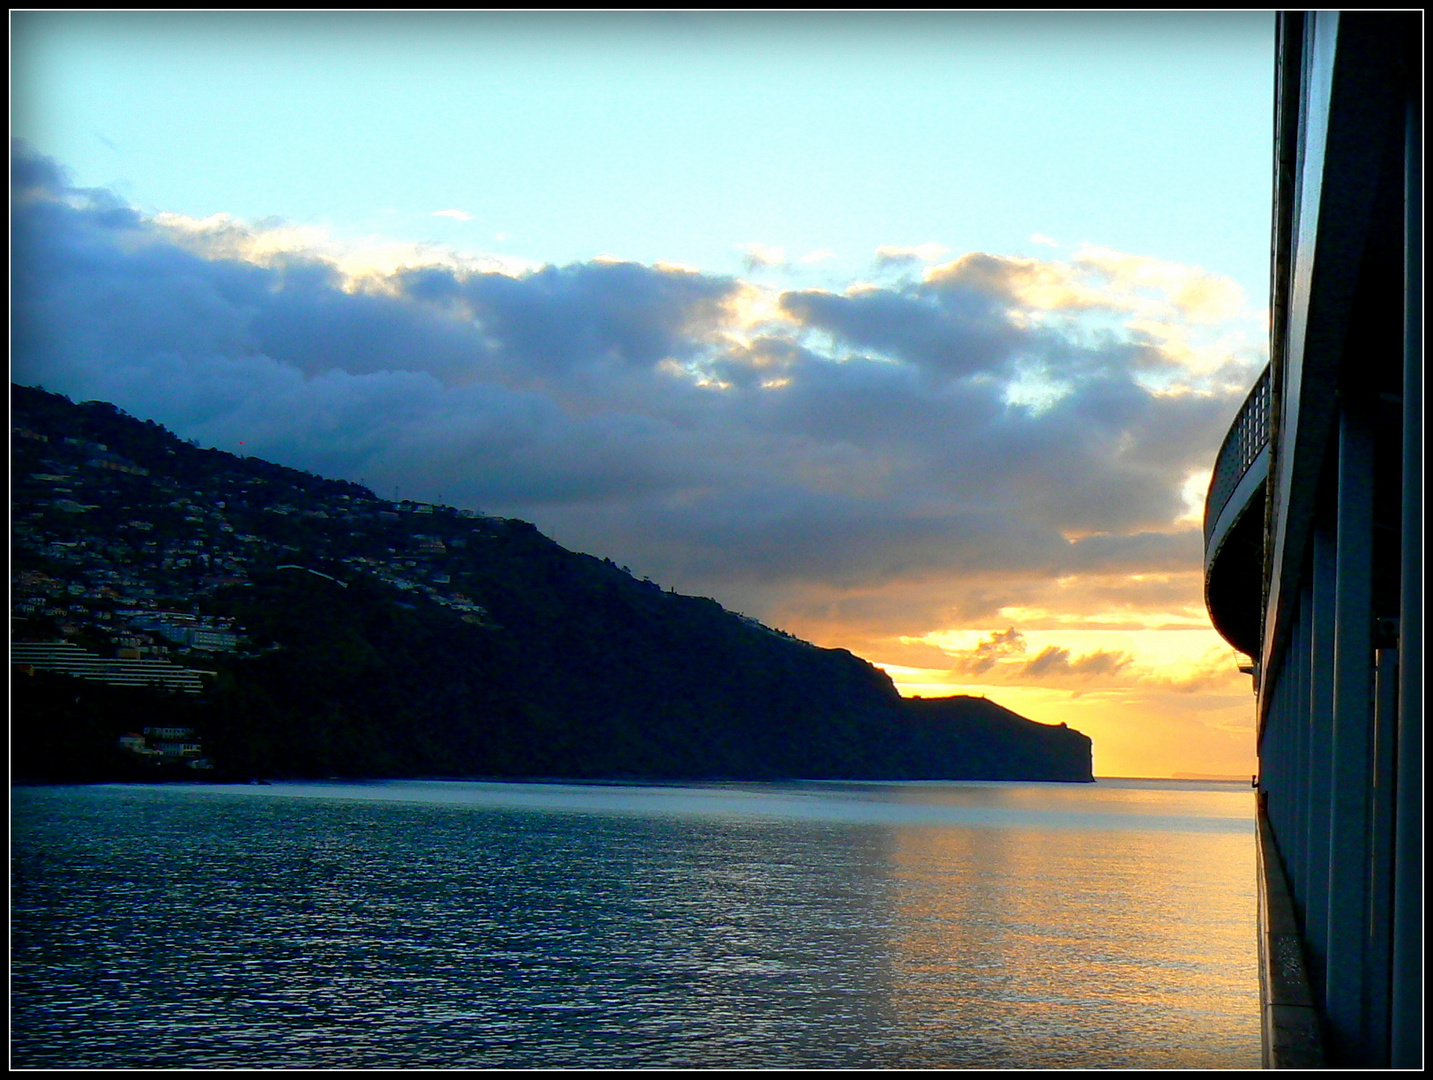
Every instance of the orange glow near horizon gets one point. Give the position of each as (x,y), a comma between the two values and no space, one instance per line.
(1155,702)
(1216,741)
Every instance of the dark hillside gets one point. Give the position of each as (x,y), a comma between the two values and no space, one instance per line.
(349,635)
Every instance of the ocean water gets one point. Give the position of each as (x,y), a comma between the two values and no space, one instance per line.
(469,925)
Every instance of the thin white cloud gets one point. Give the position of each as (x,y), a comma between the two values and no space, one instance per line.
(456,215)
(896,253)
(757,256)
(360,259)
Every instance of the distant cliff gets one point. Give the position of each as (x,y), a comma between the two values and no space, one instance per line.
(353,636)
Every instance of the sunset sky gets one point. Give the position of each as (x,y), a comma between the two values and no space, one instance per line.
(914,335)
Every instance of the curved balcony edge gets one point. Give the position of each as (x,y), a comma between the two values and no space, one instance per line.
(1250,484)
(1247,438)
(1234,561)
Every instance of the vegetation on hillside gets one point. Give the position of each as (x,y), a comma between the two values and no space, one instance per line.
(397,639)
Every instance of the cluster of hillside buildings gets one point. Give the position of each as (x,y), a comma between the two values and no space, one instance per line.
(112,559)
(166,745)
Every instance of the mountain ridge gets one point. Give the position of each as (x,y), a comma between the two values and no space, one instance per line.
(355,636)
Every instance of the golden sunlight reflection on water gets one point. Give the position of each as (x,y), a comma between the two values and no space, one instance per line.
(1041,941)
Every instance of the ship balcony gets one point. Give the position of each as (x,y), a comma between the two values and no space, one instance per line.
(1234,525)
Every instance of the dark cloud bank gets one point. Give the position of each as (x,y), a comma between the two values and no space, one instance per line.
(853,441)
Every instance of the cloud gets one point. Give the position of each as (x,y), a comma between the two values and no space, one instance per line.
(996,647)
(456,215)
(1054,660)
(366,261)
(999,658)
(759,256)
(897,255)
(1193,292)
(992,435)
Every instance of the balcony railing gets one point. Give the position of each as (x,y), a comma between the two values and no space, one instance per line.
(1247,436)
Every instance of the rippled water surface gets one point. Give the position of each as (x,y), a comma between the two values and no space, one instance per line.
(425,924)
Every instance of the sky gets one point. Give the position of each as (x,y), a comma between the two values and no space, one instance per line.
(911,334)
